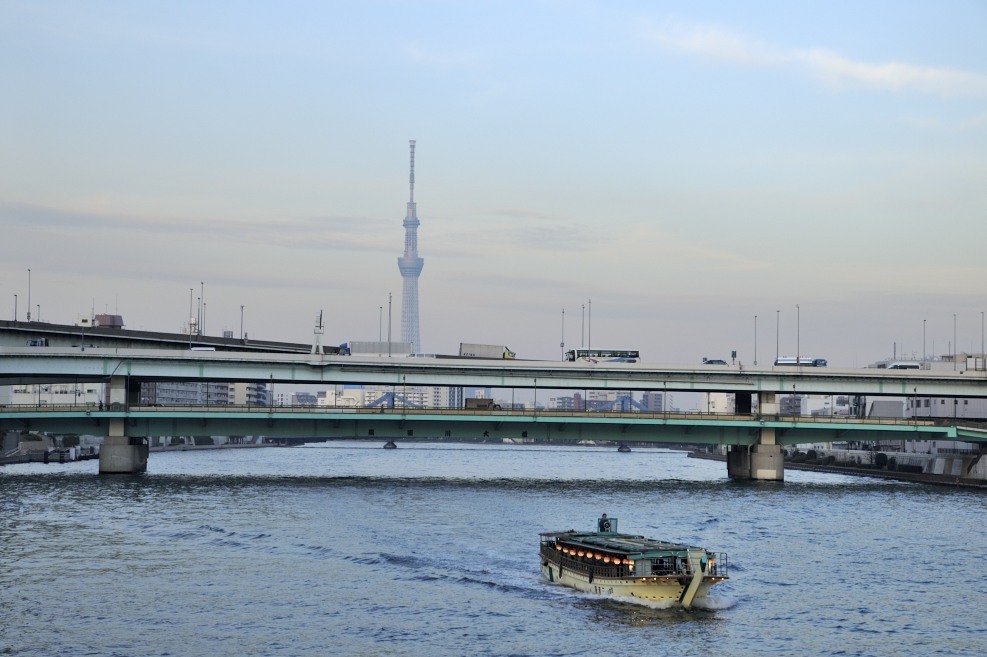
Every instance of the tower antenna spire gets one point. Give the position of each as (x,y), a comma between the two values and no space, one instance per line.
(411,177)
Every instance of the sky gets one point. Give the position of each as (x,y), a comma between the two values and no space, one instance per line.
(683,178)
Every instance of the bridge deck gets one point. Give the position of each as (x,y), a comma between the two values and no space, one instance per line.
(471,424)
(27,365)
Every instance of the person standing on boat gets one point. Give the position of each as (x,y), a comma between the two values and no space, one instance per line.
(603,524)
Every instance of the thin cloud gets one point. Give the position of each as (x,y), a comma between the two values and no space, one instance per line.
(350,233)
(714,42)
(519,230)
(688,255)
(836,69)
(828,66)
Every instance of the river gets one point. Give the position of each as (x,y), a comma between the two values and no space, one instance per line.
(344,548)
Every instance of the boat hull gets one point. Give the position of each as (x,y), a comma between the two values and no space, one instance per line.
(668,590)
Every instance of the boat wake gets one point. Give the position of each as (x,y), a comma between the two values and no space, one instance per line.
(713,603)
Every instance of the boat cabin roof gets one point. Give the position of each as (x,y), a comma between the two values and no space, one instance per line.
(634,547)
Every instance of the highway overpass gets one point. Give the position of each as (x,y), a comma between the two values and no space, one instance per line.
(26,365)
(756,439)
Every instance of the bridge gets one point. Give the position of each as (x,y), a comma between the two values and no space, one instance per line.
(755,439)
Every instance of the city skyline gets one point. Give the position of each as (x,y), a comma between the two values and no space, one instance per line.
(688,168)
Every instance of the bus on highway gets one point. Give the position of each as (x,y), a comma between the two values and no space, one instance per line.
(802,361)
(603,355)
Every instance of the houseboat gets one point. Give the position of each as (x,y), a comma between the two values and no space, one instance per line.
(606,562)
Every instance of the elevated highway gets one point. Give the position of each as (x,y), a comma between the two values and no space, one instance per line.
(26,365)
(756,440)
(19,334)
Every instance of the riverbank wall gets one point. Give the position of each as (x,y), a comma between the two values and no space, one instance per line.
(940,470)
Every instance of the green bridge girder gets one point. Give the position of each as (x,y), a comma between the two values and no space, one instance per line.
(457,424)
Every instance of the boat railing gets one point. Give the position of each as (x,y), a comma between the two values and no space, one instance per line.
(669,566)
(719,568)
(661,567)
(583,565)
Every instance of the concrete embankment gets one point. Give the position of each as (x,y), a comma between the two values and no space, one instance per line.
(918,477)
(192,448)
(66,455)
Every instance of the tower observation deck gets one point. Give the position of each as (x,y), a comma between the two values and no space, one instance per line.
(410,266)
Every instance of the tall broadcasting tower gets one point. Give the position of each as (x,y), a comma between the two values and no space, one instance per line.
(411,268)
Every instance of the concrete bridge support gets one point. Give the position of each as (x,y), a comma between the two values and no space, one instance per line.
(762,461)
(120,454)
(739,462)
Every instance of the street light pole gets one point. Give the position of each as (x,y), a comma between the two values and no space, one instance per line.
(241,321)
(589,332)
(562,344)
(29,294)
(15,307)
(798,336)
(755,340)
(777,334)
(202,308)
(923,342)
(954,341)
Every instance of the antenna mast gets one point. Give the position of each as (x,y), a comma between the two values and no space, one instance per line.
(411,177)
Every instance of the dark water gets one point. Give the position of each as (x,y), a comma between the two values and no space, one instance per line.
(349,549)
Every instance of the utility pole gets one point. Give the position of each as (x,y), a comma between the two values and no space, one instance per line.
(202,308)
(777,333)
(589,332)
(582,335)
(562,344)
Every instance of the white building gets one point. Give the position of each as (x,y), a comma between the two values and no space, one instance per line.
(339,397)
(717,402)
(250,394)
(53,394)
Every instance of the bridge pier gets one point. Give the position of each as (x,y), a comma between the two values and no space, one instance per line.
(767,463)
(123,455)
(762,461)
(120,454)
(739,462)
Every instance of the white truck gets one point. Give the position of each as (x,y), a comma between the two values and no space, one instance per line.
(498,351)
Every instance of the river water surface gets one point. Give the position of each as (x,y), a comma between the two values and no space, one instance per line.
(432,549)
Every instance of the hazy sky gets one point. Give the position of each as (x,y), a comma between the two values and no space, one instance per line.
(684,165)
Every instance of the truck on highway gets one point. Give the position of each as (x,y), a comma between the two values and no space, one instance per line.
(481,404)
(497,351)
